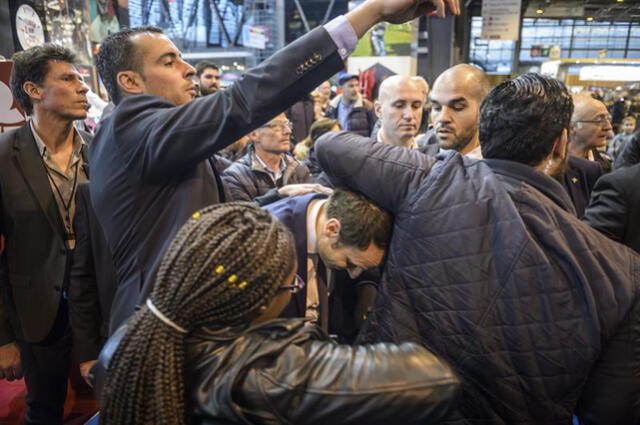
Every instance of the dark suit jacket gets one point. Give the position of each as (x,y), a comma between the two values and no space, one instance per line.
(149,158)
(629,153)
(343,300)
(615,206)
(579,179)
(34,262)
(92,281)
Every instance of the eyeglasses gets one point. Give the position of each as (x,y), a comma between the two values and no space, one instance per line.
(297,285)
(281,126)
(600,120)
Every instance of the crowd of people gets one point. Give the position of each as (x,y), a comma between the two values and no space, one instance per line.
(272,252)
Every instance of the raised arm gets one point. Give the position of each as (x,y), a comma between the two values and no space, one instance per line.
(386,174)
(211,123)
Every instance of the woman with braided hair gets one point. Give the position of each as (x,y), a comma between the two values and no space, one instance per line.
(208,348)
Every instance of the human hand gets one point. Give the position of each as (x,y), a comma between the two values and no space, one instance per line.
(303,189)
(10,364)
(401,11)
(85,368)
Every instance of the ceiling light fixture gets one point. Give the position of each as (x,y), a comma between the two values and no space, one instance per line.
(589,18)
(539,11)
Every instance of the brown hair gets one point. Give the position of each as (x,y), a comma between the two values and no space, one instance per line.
(225,263)
(361,221)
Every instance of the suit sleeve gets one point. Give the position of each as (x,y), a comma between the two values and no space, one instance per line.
(167,140)
(630,154)
(385,174)
(382,383)
(84,306)
(6,331)
(608,211)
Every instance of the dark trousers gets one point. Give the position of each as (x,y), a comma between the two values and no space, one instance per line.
(46,367)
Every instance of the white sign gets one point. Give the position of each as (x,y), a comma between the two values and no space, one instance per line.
(610,73)
(500,19)
(254,37)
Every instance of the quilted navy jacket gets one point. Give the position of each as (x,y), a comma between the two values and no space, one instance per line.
(490,268)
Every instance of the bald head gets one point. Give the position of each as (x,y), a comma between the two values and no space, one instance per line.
(467,78)
(455,99)
(399,107)
(392,84)
(590,125)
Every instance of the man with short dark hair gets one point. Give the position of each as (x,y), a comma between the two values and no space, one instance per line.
(351,109)
(490,268)
(267,172)
(150,158)
(208,74)
(42,164)
(455,100)
(336,240)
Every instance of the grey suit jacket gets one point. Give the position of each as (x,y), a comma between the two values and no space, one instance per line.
(149,159)
(35,260)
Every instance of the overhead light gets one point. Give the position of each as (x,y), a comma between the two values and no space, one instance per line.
(589,18)
(539,11)
(620,1)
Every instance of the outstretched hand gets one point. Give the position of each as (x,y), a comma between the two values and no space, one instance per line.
(371,12)
(401,11)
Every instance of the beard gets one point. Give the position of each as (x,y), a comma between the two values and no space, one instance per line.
(460,140)
(208,90)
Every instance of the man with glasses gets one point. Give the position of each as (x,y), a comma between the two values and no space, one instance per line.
(337,241)
(590,130)
(267,172)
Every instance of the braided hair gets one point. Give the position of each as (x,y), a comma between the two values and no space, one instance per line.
(225,263)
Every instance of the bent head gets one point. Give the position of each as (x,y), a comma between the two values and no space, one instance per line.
(353,233)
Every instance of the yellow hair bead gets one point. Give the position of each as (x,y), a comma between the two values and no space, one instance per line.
(232,278)
(220,269)
(243,284)
(196,214)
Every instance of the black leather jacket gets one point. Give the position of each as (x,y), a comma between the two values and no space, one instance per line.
(282,372)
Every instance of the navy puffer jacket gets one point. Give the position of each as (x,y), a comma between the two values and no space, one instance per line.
(489,268)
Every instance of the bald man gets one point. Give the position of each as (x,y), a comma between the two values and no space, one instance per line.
(399,109)
(455,108)
(590,130)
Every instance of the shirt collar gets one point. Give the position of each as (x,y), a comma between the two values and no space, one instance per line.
(313,214)
(283,165)
(78,142)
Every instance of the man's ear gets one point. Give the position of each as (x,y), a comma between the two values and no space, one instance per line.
(332,230)
(377,107)
(32,90)
(131,82)
(561,145)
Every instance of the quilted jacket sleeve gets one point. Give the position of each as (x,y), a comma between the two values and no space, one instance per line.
(317,382)
(385,174)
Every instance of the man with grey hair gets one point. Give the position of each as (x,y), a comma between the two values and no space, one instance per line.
(590,129)
(455,108)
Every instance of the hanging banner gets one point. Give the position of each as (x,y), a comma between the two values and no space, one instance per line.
(10,115)
(500,19)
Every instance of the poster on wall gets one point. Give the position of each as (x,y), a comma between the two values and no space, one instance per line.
(10,114)
(388,40)
(104,21)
